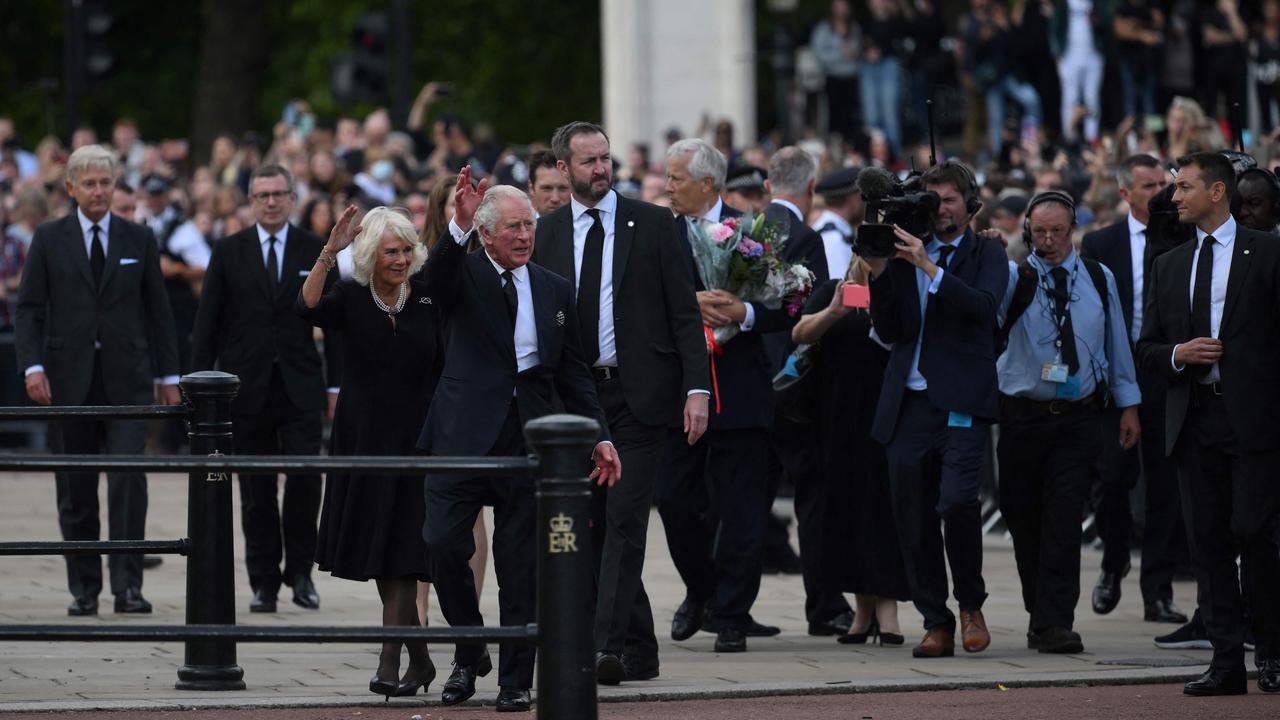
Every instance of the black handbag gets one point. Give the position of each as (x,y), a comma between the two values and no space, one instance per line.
(795,387)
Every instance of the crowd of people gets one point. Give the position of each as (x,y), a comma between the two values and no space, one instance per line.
(428,289)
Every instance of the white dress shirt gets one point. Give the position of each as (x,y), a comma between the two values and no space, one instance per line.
(838,250)
(526,331)
(608,207)
(1137,250)
(1224,240)
(86,227)
(281,237)
(185,241)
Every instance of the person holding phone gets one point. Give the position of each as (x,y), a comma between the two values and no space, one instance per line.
(859,519)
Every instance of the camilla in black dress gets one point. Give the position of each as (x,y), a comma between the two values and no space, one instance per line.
(371,527)
(850,371)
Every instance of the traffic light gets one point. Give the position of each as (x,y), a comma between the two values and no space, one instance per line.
(97,56)
(361,75)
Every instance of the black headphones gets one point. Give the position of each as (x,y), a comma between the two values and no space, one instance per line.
(1056,196)
(1271,179)
(972,203)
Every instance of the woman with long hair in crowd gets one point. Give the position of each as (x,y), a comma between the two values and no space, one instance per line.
(850,370)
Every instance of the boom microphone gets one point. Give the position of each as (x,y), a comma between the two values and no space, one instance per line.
(875,183)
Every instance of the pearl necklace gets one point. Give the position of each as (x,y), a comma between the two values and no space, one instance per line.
(391,311)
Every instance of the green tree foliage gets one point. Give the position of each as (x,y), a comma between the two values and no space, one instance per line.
(524,67)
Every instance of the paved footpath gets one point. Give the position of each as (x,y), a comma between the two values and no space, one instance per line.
(40,676)
(1109,702)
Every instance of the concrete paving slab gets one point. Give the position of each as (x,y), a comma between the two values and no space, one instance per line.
(43,676)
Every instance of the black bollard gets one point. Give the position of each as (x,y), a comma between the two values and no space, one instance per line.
(210,664)
(566,605)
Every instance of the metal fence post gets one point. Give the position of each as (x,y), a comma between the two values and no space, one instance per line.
(210,664)
(566,595)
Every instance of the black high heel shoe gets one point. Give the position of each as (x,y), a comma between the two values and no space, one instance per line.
(412,680)
(891,639)
(385,688)
(379,686)
(872,631)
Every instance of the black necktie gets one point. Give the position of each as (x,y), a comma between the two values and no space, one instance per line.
(1066,333)
(589,289)
(97,257)
(273,267)
(1200,300)
(509,292)
(944,255)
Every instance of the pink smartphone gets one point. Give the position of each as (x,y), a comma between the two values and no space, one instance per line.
(857,296)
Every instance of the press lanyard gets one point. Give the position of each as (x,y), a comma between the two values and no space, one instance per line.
(1050,292)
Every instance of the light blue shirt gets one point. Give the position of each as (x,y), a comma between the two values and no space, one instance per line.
(927,287)
(1102,343)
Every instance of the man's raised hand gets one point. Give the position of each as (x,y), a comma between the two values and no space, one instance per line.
(466,199)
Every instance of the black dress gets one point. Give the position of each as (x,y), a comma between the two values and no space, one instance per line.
(371,526)
(850,371)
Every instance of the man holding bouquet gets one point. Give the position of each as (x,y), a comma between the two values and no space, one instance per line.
(935,301)
(722,476)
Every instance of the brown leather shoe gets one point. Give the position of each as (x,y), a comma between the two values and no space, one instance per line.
(936,643)
(973,631)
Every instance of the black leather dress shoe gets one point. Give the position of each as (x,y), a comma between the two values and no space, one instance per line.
(1217,681)
(731,641)
(639,668)
(1106,594)
(1163,611)
(1056,640)
(756,629)
(609,669)
(262,602)
(512,699)
(688,619)
(81,607)
(1269,676)
(838,625)
(131,601)
(461,685)
(304,594)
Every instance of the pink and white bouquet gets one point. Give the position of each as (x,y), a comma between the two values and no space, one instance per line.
(743,256)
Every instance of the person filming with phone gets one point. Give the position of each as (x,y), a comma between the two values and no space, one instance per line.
(849,369)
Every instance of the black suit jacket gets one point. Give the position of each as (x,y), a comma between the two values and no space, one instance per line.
(1110,246)
(662,353)
(480,379)
(803,245)
(1250,335)
(743,371)
(241,329)
(61,313)
(959,332)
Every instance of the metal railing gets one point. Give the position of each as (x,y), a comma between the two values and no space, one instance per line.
(566,670)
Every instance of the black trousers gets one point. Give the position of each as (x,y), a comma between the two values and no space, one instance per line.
(935,474)
(1229,502)
(1047,465)
(798,453)
(712,498)
(1164,539)
(452,506)
(620,524)
(77,496)
(272,530)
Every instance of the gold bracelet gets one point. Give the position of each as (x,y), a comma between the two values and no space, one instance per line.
(328,260)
